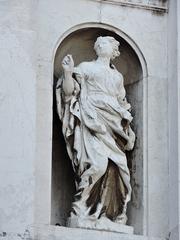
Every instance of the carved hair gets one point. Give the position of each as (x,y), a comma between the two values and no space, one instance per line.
(113,41)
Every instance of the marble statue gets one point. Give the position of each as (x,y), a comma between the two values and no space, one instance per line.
(95,115)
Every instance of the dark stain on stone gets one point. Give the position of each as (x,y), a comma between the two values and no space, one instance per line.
(58,224)
(90,180)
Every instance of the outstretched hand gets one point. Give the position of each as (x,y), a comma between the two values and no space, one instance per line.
(68,63)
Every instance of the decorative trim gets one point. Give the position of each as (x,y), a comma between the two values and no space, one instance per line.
(160,7)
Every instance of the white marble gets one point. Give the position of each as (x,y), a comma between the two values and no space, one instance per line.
(103,224)
(31,31)
(96,97)
(51,232)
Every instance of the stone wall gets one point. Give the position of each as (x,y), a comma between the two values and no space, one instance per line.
(31,32)
(18,116)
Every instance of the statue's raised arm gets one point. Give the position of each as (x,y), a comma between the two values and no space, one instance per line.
(68,82)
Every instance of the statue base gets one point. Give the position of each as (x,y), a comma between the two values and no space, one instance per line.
(99,224)
(47,232)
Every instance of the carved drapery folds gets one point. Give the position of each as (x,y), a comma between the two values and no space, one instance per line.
(96,118)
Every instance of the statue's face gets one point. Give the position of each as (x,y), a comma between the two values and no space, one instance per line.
(104,48)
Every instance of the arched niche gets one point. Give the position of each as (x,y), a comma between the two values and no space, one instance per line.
(80,43)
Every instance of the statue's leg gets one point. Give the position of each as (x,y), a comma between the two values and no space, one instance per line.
(122,218)
(89,178)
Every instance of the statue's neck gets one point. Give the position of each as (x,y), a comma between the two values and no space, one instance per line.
(104,61)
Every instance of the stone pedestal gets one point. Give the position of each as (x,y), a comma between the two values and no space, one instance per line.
(47,232)
(103,224)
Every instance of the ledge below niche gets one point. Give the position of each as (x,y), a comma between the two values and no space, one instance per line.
(50,232)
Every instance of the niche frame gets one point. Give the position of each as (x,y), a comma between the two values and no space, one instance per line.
(136,208)
(44,174)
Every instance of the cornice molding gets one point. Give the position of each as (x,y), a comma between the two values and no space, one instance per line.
(154,5)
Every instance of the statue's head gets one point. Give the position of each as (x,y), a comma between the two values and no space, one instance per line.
(107,47)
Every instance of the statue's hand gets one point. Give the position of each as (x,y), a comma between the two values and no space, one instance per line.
(68,64)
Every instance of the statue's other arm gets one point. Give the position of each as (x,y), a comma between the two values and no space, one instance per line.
(68,82)
(127,118)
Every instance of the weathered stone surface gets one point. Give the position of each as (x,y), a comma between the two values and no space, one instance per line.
(93,92)
(31,31)
(156,5)
(57,233)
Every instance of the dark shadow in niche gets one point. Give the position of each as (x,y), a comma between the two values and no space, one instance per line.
(80,45)
(62,173)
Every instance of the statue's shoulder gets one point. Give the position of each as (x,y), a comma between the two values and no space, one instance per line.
(86,64)
(84,67)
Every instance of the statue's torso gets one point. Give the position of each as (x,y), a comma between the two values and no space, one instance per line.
(100,79)
(101,89)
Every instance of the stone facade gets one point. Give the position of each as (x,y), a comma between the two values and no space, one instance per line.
(32,36)
(147,4)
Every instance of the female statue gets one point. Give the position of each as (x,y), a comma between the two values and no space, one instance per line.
(96,120)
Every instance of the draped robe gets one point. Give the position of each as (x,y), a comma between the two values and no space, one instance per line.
(96,127)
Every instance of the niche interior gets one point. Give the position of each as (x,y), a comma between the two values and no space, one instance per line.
(80,45)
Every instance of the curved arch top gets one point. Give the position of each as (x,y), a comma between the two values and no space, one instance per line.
(111,28)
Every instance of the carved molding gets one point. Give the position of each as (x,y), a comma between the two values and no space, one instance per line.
(156,5)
